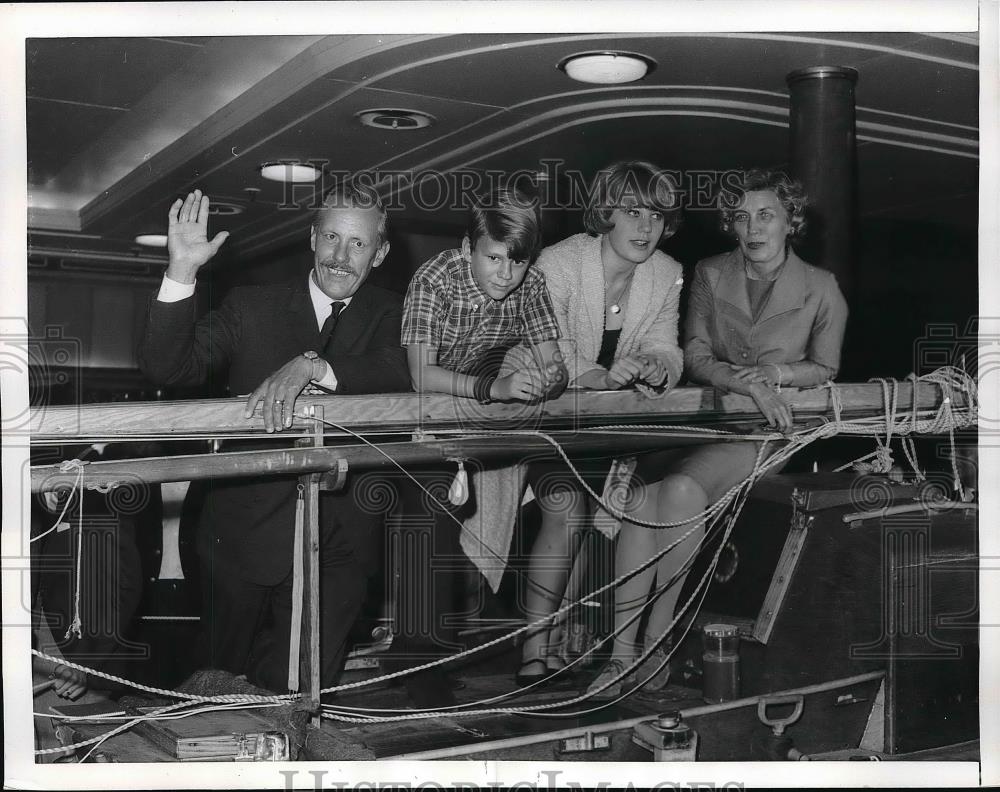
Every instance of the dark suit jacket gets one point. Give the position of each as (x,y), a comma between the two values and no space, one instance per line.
(803,321)
(254,332)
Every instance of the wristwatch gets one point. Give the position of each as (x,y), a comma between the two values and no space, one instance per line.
(312,356)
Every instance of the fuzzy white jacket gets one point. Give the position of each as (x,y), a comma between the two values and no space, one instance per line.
(574,275)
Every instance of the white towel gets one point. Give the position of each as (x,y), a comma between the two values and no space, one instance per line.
(486,534)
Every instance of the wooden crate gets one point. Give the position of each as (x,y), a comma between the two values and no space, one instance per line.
(818,597)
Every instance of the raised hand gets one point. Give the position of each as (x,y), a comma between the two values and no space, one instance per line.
(187,237)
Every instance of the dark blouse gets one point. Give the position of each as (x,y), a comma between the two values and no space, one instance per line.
(758,291)
(609,343)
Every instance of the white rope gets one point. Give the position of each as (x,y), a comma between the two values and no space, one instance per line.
(945,419)
(161,691)
(742,488)
(75,627)
(77,487)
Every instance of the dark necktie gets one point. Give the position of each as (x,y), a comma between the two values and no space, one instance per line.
(331,322)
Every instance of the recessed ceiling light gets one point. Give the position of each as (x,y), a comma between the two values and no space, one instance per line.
(289,172)
(152,240)
(607,68)
(223,208)
(395,119)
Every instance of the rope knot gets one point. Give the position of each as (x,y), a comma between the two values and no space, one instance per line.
(881,462)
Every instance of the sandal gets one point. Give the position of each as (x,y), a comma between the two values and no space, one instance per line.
(650,673)
(613,676)
(532,671)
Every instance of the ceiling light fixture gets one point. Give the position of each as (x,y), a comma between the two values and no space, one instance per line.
(289,172)
(607,68)
(224,208)
(152,240)
(395,119)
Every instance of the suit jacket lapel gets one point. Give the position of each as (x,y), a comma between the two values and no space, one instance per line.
(789,290)
(353,321)
(301,317)
(732,286)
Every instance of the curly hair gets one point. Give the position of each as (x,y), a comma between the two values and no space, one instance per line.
(650,186)
(736,184)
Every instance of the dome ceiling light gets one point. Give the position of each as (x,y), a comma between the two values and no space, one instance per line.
(607,68)
(289,172)
(395,119)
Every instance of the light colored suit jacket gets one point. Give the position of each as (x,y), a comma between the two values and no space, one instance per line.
(801,323)
(574,275)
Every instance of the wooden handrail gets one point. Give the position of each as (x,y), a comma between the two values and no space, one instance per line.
(408,412)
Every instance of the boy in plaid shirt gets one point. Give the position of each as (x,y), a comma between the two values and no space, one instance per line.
(466,308)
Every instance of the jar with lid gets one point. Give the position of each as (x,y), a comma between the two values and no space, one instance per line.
(721,662)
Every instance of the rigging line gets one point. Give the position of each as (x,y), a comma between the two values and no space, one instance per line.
(947,418)
(431,495)
(534,709)
(77,487)
(729,495)
(368,682)
(538,709)
(161,691)
(575,661)
(710,513)
(710,534)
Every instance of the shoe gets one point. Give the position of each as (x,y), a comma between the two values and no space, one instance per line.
(650,674)
(533,671)
(613,673)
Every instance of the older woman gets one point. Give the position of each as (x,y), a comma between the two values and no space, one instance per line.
(759,318)
(615,298)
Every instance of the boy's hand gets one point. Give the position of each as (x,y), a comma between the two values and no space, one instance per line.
(520,386)
(555,378)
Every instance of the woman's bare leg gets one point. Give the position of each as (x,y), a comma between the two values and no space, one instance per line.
(680,497)
(564,512)
(636,545)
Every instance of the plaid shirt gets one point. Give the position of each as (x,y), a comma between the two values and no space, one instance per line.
(446,309)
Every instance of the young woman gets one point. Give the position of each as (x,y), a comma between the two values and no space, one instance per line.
(616,301)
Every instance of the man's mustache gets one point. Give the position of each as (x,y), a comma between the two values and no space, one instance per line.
(334,265)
